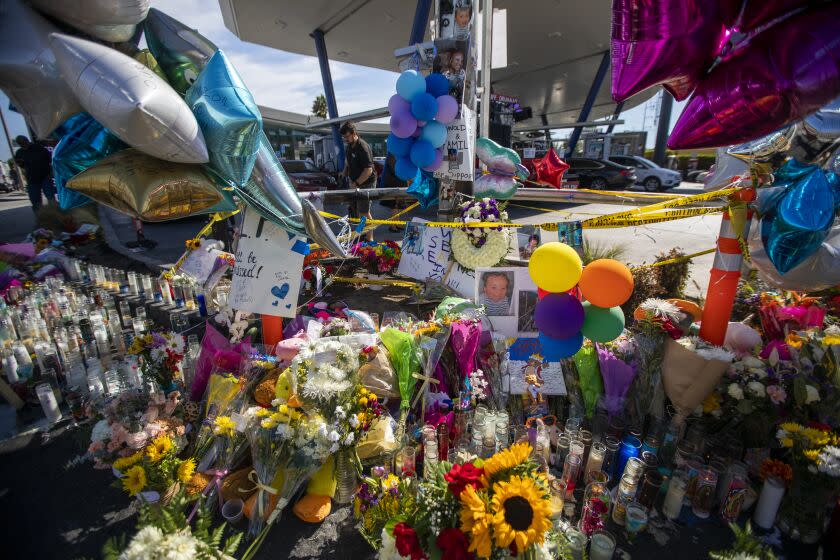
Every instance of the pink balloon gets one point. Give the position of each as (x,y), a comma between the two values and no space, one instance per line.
(665,42)
(781,77)
(447,109)
(398,105)
(403,124)
(438,161)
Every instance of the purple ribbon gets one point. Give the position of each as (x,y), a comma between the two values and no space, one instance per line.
(218,475)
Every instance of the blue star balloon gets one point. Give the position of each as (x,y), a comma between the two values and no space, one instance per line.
(229,119)
(84,143)
(424,188)
(803,216)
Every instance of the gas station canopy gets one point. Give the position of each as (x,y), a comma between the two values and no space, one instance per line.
(554,48)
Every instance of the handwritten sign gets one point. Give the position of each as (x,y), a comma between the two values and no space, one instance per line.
(550,374)
(207,264)
(269,262)
(458,155)
(426,256)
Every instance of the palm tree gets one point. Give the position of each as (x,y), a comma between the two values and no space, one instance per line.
(319,106)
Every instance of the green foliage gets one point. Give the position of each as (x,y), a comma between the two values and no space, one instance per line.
(319,106)
(645,286)
(746,546)
(594,250)
(672,277)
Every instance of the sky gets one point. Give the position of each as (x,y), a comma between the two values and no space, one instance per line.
(289,81)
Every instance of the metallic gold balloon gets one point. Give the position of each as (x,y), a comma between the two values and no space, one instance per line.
(130,100)
(109,20)
(228,117)
(28,71)
(147,59)
(181,52)
(147,188)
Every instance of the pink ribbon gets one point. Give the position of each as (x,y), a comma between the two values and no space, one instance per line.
(218,475)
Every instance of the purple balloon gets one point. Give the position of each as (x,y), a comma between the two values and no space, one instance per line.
(665,42)
(403,124)
(447,109)
(781,77)
(438,161)
(559,315)
(398,105)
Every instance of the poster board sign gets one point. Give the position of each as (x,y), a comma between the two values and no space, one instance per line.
(267,273)
(459,149)
(522,361)
(426,253)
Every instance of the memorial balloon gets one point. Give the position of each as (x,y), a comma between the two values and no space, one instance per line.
(110,20)
(181,51)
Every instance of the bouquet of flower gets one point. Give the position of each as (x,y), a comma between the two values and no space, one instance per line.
(617,363)
(790,311)
(492,508)
(378,258)
(380,498)
(691,368)
(161,355)
(223,389)
(475,247)
(155,471)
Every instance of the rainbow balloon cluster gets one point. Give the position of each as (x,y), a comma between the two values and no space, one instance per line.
(562,319)
(420,111)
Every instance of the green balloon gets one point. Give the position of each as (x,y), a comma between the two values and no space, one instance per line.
(602,324)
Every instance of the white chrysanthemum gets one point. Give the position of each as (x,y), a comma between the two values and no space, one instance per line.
(756,388)
(178,547)
(143,545)
(339,413)
(333,436)
(829,461)
(469,256)
(176,343)
(812,394)
(157,354)
(354,421)
(101,431)
(388,550)
(662,309)
(348,439)
(734,390)
(752,362)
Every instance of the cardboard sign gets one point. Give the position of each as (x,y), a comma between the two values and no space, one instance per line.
(426,256)
(267,274)
(458,151)
(521,364)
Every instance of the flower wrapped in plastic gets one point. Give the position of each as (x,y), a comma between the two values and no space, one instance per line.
(617,364)
(781,314)
(589,376)
(691,368)
(222,390)
(404,358)
(160,354)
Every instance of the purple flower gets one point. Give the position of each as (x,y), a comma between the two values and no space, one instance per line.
(158,340)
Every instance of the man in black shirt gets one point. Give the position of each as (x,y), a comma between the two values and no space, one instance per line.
(36,162)
(359,168)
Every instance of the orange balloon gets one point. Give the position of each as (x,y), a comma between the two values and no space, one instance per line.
(606,283)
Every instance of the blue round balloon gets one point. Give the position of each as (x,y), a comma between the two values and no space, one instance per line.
(435,133)
(437,84)
(556,349)
(400,147)
(422,153)
(424,107)
(405,169)
(410,83)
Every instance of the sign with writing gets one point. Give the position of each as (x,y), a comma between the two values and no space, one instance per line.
(269,262)
(207,264)
(529,153)
(524,360)
(426,256)
(459,149)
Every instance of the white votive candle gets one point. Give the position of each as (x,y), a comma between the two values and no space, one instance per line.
(768,502)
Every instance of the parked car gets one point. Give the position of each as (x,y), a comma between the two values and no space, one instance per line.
(307,177)
(649,174)
(599,174)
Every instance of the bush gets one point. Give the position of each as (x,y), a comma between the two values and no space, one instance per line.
(672,277)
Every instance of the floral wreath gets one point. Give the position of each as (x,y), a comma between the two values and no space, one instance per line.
(481,247)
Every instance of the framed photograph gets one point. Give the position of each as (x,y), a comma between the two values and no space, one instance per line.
(496,289)
(526,304)
(571,233)
(527,240)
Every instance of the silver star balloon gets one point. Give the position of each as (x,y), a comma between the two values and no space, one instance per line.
(28,71)
(181,52)
(764,148)
(130,100)
(110,20)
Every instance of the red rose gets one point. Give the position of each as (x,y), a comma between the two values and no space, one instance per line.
(453,543)
(461,476)
(407,542)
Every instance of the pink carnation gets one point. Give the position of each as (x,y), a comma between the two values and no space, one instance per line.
(777,394)
(136,440)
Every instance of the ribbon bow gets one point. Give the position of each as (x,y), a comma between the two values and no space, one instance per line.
(252,476)
(217,475)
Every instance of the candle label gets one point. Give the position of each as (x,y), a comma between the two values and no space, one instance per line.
(734,500)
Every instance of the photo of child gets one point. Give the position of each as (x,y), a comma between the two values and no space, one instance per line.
(463,15)
(527,305)
(496,290)
(413,239)
(528,239)
(571,233)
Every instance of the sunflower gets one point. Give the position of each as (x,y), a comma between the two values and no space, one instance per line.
(134,480)
(522,513)
(791,427)
(475,521)
(124,462)
(504,460)
(186,470)
(158,449)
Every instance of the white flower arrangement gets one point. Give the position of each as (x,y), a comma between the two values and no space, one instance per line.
(662,309)
(150,543)
(328,367)
(734,390)
(705,350)
(756,388)
(469,256)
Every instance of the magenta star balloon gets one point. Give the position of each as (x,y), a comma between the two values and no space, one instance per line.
(668,42)
(786,73)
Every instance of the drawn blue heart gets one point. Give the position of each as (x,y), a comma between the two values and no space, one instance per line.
(288,306)
(274,303)
(280,292)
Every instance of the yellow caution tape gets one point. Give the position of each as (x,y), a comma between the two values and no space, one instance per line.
(674,260)
(376,281)
(648,218)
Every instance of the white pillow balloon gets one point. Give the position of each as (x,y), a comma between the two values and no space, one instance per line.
(110,20)
(130,100)
(28,71)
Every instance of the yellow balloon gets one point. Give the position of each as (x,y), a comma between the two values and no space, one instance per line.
(555,267)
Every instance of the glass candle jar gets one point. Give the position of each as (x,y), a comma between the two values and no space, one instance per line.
(650,444)
(610,456)
(601,545)
(596,457)
(563,443)
(430,460)
(723,481)
(685,449)
(625,494)
(636,520)
(769,502)
(704,493)
(49,403)
(596,508)
(672,506)
(692,468)
(650,460)
(650,489)
(571,469)
(629,448)
(558,497)
(597,476)
(585,437)
(733,498)
(616,428)
(634,468)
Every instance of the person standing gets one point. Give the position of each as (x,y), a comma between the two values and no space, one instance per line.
(36,162)
(358,167)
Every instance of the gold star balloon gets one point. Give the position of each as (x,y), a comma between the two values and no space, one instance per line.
(148,188)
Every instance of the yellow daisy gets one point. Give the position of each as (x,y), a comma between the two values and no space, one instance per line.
(224,426)
(186,470)
(158,449)
(475,521)
(504,460)
(811,454)
(125,462)
(134,480)
(522,513)
(786,442)
(791,427)
(817,437)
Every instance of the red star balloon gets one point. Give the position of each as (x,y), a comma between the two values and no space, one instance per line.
(550,168)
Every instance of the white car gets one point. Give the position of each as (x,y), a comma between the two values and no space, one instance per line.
(653,177)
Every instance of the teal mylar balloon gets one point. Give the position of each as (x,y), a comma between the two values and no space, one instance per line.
(84,143)
(229,119)
(424,188)
(181,52)
(602,324)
